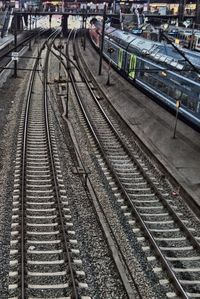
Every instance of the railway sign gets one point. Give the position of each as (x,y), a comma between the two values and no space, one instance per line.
(15,56)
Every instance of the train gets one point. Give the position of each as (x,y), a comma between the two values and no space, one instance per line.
(156,67)
(187,38)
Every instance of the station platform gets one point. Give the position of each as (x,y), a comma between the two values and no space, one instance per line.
(6,40)
(154,126)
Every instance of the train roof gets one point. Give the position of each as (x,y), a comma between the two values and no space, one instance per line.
(162,52)
(183,30)
(194,57)
(125,38)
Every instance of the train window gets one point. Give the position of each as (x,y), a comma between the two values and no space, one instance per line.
(163,87)
(148,78)
(184,99)
(177,94)
(192,105)
(160,85)
(174,93)
(171,92)
(151,80)
(198,107)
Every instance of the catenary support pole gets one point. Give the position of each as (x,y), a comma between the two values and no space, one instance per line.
(15,42)
(30,27)
(102,40)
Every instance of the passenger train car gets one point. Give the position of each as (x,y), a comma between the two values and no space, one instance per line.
(188,38)
(158,68)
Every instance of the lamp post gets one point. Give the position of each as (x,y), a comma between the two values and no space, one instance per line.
(197,13)
(67,100)
(68,78)
(30,28)
(181,10)
(102,39)
(60,47)
(178,105)
(110,51)
(15,43)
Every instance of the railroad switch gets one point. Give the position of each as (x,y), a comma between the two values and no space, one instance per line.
(82,171)
(59,80)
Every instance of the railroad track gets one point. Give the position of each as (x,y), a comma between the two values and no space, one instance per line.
(146,202)
(6,61)
(44,254)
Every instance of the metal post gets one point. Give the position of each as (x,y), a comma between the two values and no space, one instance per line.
(192,36)
(181,10)
(102,40)
(64,25)
(59,76)
(110,51)
(84,26)
(148,5)
(83,20)
(15,42)
(108,80)
(160,35)
(197,15)
(30,30)
(50,17)
(114,7)
(175,125)
(59,67)
(67,101)
(82,33)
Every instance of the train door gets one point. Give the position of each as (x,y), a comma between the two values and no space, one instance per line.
(197,43)
(198,106)
(132,65)
(120,58)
